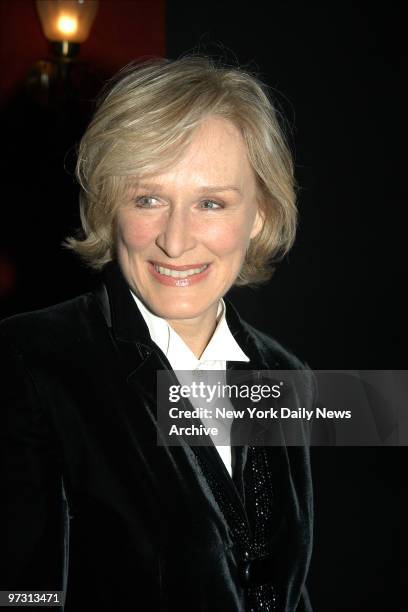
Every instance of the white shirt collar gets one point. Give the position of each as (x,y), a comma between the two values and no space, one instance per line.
(221,348)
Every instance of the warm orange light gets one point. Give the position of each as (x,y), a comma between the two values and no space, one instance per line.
(67,25)
(67,20)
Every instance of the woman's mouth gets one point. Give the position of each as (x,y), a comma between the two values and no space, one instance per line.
(180,273)
(179,276)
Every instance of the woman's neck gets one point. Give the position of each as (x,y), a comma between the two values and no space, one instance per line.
(197,332)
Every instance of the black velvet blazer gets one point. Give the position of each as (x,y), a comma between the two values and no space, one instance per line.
(95,507)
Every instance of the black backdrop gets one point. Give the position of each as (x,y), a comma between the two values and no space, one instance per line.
(332,72)
(334,300)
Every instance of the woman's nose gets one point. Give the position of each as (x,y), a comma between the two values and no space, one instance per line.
(176,236)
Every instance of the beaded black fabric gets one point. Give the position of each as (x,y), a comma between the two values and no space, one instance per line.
(251,530)
(259,501)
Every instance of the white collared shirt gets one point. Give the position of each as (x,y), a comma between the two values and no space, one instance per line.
(221,348)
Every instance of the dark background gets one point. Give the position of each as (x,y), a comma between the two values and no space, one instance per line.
(334,301)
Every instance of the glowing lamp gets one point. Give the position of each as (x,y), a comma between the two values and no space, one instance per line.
(66,23)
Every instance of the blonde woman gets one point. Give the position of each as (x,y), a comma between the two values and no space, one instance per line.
(187,189)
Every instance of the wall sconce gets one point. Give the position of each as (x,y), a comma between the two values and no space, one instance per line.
(61,80)
(66,23)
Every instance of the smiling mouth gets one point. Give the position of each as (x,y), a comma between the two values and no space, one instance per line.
(179,273)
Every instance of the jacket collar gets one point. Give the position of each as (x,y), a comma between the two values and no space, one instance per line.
(127,323)
(119,308)
(142,358)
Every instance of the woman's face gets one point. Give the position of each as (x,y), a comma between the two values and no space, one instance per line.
(182,234)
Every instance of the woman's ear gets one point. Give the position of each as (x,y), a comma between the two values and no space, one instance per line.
(258,223)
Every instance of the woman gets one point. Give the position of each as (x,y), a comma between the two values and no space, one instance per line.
(186,190)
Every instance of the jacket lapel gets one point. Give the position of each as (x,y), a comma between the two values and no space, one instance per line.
(141,358)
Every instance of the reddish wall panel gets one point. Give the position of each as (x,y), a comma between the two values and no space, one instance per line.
(122,32)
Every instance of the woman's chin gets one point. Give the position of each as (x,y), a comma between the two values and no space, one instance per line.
(179,311)
(180,315)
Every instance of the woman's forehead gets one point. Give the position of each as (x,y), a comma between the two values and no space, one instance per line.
(201,176)
(217,153)
(214,158)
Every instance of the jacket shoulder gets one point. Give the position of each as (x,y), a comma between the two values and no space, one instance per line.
(274,354)
(62,323)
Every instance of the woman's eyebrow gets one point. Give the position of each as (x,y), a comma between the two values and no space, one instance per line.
(213,188)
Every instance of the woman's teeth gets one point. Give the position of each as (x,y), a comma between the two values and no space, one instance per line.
(180,273)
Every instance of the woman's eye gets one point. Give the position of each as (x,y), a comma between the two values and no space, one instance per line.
(210,205)
(145,201)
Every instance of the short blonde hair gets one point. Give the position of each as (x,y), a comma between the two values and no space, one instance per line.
(144,120)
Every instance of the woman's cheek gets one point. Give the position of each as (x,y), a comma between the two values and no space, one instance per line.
(138,234)
(227,238)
